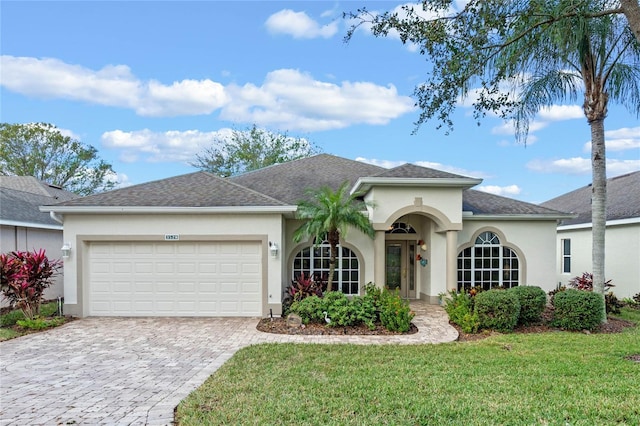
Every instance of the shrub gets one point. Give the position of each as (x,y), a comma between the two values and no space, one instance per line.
(364,309)
(532,300)
(459,307)
(577,310)
(395,314)
(310,309)
(24,276)
(497,310)
(300,288)
(339,309)
(612,304)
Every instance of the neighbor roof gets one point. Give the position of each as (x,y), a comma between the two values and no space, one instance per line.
(623,200)
(20,198)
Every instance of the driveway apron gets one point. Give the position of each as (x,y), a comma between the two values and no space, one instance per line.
(135,371)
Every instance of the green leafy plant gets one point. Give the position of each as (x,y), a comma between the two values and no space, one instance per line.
(310,309)
(301,288)
(395,313)
(532,300)
(577,310)
(24,276)
(40,323)
(612,304)
(497,310)
(459,307)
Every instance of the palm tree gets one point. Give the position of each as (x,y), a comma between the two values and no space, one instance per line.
(332,213)
(600,58)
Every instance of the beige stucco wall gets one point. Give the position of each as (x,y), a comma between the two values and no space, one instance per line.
(533,241)
(622,251)
(390,203)
(26,238)
(80,229)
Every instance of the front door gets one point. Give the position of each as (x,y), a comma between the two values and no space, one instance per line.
(400,267)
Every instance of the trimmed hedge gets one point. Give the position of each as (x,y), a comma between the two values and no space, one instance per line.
(497,310)
(577,310)
(532,300)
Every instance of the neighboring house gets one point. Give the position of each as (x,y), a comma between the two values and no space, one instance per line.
(622,237)
(24,227)
(200,245)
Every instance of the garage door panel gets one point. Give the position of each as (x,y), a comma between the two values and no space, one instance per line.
(178,279)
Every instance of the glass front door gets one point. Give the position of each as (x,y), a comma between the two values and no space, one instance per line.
(400,267)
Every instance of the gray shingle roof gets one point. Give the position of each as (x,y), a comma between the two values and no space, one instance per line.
(21,197)
(417,172)
(483,203)
(290,181)
(199,189)
(286,184)
(623,200)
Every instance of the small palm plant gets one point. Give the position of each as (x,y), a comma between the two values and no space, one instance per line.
(332,213)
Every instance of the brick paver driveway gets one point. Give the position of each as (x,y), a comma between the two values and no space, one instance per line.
(136,370)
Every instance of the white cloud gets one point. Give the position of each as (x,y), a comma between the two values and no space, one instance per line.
(582,166)
(389,164)
(113,85)
(288,99)
(622,139)
(500,190)
(560,113)
(294,100)
(173,145)
(299,25)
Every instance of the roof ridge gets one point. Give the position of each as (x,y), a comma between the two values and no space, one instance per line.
(227,180)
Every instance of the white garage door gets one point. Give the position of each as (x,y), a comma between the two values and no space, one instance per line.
(175,278)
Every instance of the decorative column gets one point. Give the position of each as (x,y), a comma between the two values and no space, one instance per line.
(379,259)
(452,258)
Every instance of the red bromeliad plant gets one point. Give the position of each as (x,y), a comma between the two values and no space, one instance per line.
(24,276)
(585,282)
(303,287)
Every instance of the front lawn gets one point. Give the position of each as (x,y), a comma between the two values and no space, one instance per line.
(552,378)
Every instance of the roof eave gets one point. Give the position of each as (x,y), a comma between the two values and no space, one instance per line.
(284,209)
(524,216)
(30,225)
(366,183)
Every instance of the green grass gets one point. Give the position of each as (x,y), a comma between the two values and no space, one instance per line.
(554,378)
(11,318)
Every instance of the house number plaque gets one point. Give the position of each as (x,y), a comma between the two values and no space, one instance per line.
(171,237)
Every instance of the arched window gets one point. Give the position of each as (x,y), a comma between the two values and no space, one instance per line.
(401,228)
(314,261)
(488,264)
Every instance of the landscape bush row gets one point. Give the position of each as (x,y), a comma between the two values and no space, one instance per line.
(376,306)
(574,308)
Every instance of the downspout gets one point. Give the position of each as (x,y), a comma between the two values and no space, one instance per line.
(58,218)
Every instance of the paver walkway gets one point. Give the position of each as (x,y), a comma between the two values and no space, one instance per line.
(135,371)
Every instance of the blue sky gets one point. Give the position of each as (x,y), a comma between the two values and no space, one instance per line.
(152,83)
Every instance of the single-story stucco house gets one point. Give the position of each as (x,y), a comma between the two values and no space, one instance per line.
(24,227)
(201,245)
(622,237)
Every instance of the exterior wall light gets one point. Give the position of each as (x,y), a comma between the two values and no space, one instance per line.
(273,249)
(66,250)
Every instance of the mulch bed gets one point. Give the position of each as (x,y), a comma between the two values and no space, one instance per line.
(279,325)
